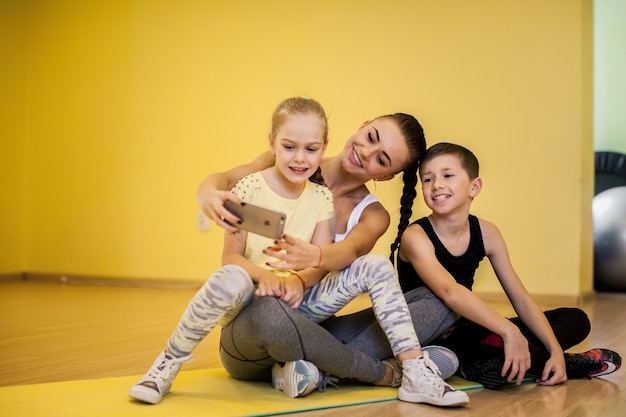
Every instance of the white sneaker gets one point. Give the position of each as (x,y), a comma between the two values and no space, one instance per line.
(421,383)
(156,383)
(299,378)
(445,360)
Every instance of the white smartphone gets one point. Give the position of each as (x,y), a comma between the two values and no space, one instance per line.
(257,219)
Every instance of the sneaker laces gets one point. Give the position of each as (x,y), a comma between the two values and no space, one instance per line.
(433,380)
(163,370)
(431,365)
(327,380)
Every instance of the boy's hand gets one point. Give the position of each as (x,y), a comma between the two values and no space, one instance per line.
(554,371)
(516,356)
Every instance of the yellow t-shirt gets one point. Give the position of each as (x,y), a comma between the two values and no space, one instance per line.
(315,204)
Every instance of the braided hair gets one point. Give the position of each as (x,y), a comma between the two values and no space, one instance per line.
(416,141)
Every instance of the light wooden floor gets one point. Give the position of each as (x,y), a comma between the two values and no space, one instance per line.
(53,332)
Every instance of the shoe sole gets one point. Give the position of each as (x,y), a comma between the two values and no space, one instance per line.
(289,372)
(458,399)
(145,394)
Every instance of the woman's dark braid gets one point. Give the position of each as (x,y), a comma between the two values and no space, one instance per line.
(409,177)
(416,142)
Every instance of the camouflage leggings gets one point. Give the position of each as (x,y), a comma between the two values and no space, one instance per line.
(230,289)
(370,274)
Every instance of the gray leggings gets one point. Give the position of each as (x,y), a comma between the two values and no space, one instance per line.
(269,331)
(349,346)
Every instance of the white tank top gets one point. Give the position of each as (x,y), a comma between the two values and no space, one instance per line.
(353,220)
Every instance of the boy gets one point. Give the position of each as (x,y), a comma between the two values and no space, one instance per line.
(442,251)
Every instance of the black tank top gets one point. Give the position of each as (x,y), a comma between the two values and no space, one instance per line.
(462,268)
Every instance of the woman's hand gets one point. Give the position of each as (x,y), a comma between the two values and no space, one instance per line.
(212,202)
(295,254)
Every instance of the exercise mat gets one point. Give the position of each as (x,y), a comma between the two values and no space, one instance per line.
(194,393)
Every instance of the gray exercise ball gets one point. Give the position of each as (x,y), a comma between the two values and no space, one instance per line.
(609,239)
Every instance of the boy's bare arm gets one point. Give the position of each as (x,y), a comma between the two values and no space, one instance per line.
(525,306)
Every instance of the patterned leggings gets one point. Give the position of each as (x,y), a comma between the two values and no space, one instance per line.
(230,289)
(370,274)
(219,301)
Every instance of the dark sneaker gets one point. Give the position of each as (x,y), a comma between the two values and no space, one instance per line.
(594,362)
(486,372)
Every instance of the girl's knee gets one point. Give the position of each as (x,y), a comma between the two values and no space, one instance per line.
(232,276)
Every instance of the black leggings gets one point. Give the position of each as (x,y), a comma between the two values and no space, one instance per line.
(570,325)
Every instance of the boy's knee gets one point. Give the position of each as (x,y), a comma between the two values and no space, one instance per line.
(580,319)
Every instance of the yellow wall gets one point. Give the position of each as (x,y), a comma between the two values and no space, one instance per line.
(13,127)
(132,103)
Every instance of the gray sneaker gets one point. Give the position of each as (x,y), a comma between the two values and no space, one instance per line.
(396,367)
(299,378)
(421,383)
(156,383)
(444,358)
